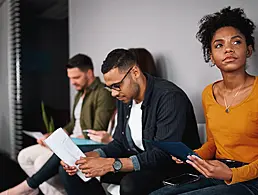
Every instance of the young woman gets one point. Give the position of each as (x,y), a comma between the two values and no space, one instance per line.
(231,111)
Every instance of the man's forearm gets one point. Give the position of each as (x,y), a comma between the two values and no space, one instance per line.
(127,164)
(92,154)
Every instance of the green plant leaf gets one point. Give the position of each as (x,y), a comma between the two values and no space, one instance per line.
(44,116)
(51,125)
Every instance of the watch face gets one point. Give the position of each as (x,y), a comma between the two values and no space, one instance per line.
(117,165)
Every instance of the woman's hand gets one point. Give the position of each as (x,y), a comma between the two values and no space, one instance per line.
(71,170)
(210,168)
(40,141)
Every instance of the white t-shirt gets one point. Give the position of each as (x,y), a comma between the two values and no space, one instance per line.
(77,130)
(135,124)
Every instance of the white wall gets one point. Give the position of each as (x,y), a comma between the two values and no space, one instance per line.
(5,141)
(166,28)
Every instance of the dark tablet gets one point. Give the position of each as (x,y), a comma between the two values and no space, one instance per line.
(176,149)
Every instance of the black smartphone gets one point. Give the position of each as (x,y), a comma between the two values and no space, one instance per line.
(181,179)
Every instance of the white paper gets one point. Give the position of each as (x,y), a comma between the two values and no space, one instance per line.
(34,134)
(61,144)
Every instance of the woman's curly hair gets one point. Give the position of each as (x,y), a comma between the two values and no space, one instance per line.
(209,24)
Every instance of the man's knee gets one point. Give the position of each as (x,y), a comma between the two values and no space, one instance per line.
(128,186)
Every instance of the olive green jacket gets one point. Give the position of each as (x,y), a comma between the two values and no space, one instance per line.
(97,108)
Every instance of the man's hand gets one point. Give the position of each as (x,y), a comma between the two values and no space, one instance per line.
(211,168)
(99,136)
(40,140)
(93,167)
(81,137)
(178,161)
(71,170)
(92,154)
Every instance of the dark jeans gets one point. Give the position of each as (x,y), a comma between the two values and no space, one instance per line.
(133,183)
(51,168)
(211,187)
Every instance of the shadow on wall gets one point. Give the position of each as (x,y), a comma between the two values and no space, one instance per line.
(5,133)
(196,100)
(253,69)
(163,64)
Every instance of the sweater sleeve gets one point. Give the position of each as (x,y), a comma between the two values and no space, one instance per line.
(244,173)
(208,149)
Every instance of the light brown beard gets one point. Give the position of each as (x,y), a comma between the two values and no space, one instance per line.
(85,85)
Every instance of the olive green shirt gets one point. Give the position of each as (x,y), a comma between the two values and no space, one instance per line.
(97,108)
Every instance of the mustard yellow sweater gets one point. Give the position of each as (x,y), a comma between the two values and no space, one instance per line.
(232,135)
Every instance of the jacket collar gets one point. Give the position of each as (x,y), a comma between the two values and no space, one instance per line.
(149,90)
(92,86)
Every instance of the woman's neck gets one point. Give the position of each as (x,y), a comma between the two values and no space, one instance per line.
(234,80)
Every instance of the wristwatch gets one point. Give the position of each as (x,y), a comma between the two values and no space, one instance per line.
(117,165)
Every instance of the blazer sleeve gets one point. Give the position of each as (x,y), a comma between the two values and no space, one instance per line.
(171,123)
(208,149)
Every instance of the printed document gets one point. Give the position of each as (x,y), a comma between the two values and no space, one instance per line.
(62,145)
(34,134)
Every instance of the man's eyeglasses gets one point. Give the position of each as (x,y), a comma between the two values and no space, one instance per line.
(116,86)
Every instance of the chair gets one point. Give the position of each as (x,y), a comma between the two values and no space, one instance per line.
(202,132)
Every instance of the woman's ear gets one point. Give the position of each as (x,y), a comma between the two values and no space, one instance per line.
(249,51)
(212,60)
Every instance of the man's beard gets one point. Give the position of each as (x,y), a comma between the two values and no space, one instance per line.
(135,89)
(83,88)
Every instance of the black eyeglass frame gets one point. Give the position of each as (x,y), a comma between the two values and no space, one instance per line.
(116,86)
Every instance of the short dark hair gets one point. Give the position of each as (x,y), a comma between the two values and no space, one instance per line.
(81,61)
(209,24)
(118,58)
